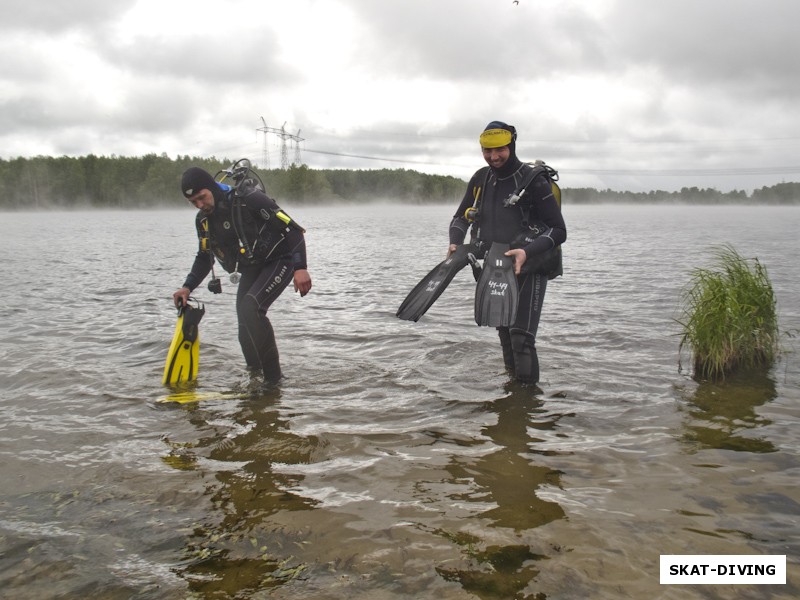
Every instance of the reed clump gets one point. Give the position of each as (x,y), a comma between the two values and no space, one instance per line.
(729,316)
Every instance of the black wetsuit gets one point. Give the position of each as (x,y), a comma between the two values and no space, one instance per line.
(245,235)
(498,223)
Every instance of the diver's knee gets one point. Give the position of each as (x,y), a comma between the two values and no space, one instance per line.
(522,341)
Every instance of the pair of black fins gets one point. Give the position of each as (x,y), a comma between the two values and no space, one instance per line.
(184,351)
(496,293)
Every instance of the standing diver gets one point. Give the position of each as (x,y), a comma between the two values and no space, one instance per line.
(514,203)
(246,231)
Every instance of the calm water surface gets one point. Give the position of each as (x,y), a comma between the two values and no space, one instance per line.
(397,460)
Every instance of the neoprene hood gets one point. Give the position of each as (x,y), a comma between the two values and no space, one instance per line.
(195,179)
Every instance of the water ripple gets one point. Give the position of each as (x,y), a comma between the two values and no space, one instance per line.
(397,460)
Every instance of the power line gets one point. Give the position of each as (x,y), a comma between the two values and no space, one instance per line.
(662,142)
(785,170)
(622,172)
(397,160)
(688,172)
(370,134)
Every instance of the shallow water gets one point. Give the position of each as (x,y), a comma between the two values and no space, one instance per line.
(397,460)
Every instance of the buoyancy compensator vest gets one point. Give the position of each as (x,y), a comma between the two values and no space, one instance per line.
(246,228)
(239,234)
(548,262)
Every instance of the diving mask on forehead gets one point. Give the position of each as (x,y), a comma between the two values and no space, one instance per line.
(496,138)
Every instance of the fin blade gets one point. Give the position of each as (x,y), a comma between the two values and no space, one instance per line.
(430,287)
(184,350)
(190,396)
(496,294)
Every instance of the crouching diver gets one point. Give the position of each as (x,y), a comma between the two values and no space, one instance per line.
(253,239)
(515,203)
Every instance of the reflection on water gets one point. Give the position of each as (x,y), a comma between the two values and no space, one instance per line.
(241,548)
(719,413)
(506,479)
(236,551)
(498,572)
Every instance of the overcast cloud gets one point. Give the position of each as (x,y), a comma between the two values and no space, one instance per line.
(621,94)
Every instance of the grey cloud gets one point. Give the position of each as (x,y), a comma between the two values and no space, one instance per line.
(54,17)
(708,70)
(160,105)
(740,44)
(460,40)
(216,60)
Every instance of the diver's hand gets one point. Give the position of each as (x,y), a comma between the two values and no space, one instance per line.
(302,282)
(181,297)
(452,248)
(519,256)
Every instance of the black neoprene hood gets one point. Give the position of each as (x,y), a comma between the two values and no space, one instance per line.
(195,179)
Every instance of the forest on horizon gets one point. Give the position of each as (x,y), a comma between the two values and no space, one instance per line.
(152,180)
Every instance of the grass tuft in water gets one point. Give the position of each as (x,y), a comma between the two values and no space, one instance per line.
(729,316)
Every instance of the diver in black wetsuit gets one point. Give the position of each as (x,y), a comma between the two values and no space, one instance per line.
(491,220)
(259,245)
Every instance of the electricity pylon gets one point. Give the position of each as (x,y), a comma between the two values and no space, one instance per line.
(281,133)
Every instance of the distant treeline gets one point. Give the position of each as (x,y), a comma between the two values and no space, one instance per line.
(782,193)
(151,180)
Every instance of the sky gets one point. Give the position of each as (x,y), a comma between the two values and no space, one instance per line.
(631,95)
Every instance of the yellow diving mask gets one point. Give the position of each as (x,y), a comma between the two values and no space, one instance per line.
(496,138)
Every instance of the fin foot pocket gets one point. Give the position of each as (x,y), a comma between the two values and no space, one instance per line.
(184,351)
(496,294)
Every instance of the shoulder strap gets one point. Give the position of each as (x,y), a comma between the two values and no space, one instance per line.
(237,220)
(472,214)
(477,190)
(538,168)
(518,194)
(552,175)
(202,230)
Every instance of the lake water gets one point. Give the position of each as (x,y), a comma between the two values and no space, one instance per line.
(397,460)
